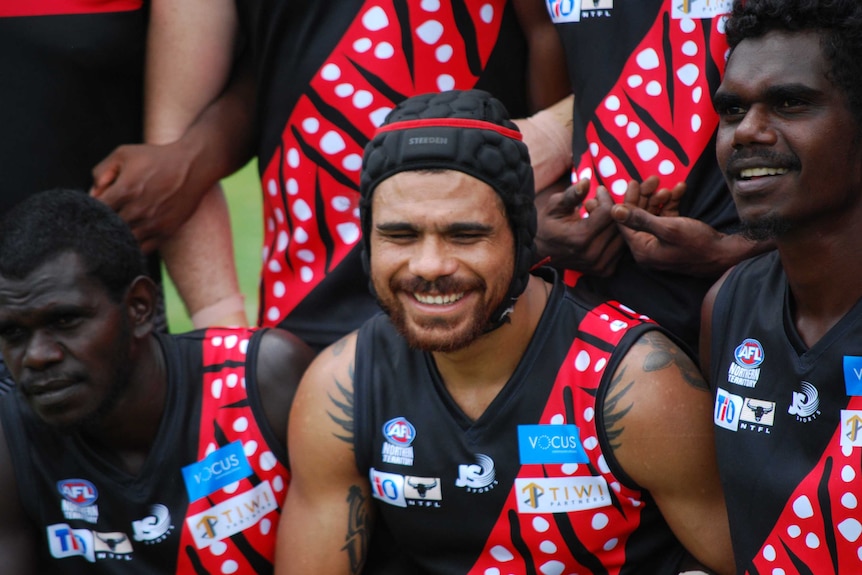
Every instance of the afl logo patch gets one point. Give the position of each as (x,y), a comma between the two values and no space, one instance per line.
(78,491)
(749,353)
(399,432)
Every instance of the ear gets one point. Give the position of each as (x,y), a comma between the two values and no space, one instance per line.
(140,302)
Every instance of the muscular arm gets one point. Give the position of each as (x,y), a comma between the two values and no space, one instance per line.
(327,518)
(18,538)
(658,419)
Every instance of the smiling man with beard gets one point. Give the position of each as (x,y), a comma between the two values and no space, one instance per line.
(123,450)
(491,420)
(782,339)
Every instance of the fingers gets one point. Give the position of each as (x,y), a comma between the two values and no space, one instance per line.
(566,203)
(104,174)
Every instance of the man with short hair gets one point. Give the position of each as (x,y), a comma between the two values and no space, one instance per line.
(785,329)
(123,450)
(491,420)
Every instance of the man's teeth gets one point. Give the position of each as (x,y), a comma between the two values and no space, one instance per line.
(759,172)
(438,299)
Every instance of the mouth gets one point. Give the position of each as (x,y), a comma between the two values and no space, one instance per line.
(438,299)
(760,172)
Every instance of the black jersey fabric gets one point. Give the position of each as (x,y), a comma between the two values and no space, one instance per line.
(205,501)
(643,74)
(460,496)
(785,428)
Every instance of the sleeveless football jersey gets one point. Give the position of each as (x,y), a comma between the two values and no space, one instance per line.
(787,425)
(207,498)
(532,485)
(329,73)
(643,73)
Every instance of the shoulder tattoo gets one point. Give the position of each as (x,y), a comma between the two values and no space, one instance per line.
(663,354)
(356,539)
(615,408)
(342,412)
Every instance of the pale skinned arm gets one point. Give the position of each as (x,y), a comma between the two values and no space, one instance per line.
(156,188)
(18,538)
(663,440)
(327,517)
(189,56)
(660,238)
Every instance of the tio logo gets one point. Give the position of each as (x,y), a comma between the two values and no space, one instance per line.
(728,406)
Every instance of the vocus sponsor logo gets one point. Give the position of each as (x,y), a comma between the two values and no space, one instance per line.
(853,374)
(550,444)
(217,470)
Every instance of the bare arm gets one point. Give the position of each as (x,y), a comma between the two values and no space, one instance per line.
(327,518)
(189,55)
(661,421)
(156,187)
(18,538)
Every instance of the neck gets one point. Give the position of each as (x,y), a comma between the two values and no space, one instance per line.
(824,275)
(476,374)
(126,434)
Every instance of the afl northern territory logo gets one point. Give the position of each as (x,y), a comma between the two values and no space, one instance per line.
(399,434)
(745,369)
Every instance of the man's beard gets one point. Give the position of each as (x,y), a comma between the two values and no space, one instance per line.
(436,334)
(765,228)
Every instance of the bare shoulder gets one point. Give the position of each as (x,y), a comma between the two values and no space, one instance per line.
(657,400)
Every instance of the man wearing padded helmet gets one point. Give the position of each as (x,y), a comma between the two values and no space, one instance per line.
(491,420)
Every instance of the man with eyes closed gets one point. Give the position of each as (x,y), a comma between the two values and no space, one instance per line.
(491,418)
(781,341)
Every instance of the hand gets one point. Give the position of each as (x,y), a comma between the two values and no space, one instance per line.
(152,187)
(591,245)
(659,238)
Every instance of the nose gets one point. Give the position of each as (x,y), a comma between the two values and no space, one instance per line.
(42,351)
(432,259)
(754,128)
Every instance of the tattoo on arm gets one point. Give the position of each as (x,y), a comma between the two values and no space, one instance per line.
(664,354)
(356,540)
(613,409)
(343,415)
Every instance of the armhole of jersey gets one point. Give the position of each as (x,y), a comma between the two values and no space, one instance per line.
(623,347)
(13,425)
(255,403)
(362,362)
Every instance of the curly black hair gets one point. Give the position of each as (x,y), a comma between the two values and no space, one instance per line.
(839,23)
(54,222)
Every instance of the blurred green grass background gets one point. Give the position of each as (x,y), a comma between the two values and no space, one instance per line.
(246,212)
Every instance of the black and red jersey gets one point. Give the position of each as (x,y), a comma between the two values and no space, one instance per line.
(643,74)
(208,497)
(788,428)
(531,486)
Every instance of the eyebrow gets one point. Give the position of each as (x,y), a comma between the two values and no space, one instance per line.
(771,94)
(454,228)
